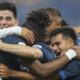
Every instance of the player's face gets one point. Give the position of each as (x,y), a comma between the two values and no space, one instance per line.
(7,19)
(59,44)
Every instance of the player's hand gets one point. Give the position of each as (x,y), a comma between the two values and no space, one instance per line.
(4,71)
(28,35)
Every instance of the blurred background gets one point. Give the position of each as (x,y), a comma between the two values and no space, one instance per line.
(70,9)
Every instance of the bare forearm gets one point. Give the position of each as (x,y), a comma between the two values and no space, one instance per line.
(23,75)
(21,50)
(48,68)
(55,65)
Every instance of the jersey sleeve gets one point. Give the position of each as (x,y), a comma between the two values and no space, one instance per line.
(71,70)
(10,31)
(48,54)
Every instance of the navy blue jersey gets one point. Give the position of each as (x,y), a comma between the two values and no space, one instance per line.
(77,77)
(70,70)
(9,59)
(78,41)
(48,54)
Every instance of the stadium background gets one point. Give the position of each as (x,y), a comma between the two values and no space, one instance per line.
(70,9)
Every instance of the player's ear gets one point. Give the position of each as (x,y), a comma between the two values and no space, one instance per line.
(17,22)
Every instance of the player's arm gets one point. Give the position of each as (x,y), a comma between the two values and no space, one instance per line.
(20,31)
(49,68)
(10,31)
(21,50)
(6,72)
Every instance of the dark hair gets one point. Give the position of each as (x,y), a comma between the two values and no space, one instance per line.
(66,32)
(53,11)
(54,14)
(64,23)
(38,21)
(9,6)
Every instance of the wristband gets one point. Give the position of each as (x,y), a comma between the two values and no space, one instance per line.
(71,54)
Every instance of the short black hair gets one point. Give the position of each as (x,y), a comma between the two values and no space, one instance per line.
(56,13)
(9,6)
(53,11)
(66,32)
(37,21)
